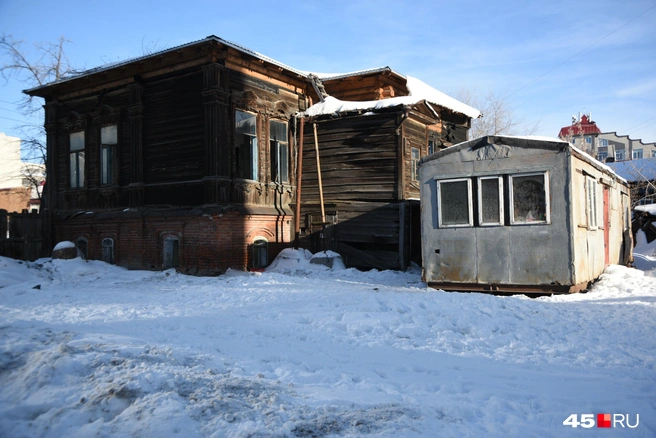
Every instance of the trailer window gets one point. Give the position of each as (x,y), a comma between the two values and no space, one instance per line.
(591,201)
(529,195)
(490,200)
(454,203)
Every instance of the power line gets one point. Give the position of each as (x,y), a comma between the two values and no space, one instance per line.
(577,54)
(19,121)
(640,124)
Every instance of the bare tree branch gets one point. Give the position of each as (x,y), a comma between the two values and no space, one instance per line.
(498,116)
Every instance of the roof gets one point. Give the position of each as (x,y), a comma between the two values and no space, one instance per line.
(417,89)
(418,92)
(583,127)
(635,170)
(525,141)
(172,49)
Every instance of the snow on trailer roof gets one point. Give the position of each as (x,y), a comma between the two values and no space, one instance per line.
(578,152)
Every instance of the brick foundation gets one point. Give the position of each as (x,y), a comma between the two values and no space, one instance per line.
(209,244)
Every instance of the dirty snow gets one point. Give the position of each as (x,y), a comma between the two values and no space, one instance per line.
(301,350)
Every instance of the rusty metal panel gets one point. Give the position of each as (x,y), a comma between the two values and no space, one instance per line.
(493,255)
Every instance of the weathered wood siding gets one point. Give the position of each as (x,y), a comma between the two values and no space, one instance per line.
(358,159)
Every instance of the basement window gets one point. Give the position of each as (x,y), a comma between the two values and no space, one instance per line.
(529,193)
(454,203)
(246,145)
(490,200)
(108,251)
(171,253)
(260,253)
(82,245)
(279,149)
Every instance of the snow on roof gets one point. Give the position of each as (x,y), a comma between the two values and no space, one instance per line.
(418,90)
(598,164)
(635,170)
(336,76)
(649,208)
(423,91)
(331,105)
(139,58)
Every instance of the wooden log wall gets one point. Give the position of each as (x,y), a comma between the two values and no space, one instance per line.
(358,159)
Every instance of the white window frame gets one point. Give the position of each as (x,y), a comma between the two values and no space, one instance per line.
(603,142)
(414,169)
(107,155)
(511,194)
(254,152)
(77,160)
(635,153)
(480,201)
(619,152)
(591,203)
(279,151)
(470,210)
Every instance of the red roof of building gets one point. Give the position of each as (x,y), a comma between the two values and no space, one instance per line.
(582,127)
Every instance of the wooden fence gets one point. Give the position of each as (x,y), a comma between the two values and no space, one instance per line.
(21,235)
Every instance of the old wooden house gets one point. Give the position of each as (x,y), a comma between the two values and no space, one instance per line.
(509,214)
(361,147)
(188,158)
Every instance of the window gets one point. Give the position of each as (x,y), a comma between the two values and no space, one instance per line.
(414,168)
(108,142)
(108,251)
(529,194)
(82,246)
(454,203)
(246,145)
(619,155)
(601,156)
(490,200)
(431,147)
(260,253)
(77,159)
(171,253)
(603,142)
(279,151)
(637,154)
(653,154)
(591,201)
(588,140)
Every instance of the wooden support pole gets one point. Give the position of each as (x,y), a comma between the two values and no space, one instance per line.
(299,178)
(316,150)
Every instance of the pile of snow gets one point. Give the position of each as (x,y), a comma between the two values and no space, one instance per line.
(63,245)
(300,261)
(644,254)
(302,350)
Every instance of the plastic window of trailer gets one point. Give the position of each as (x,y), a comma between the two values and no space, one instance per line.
(454,203)
(529,195)
(591,202)
(490,201)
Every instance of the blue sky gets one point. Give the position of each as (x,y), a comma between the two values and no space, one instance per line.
(552,59)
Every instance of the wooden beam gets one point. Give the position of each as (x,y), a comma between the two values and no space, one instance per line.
(316,149)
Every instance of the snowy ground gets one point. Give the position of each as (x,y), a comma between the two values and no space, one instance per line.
(89,349)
